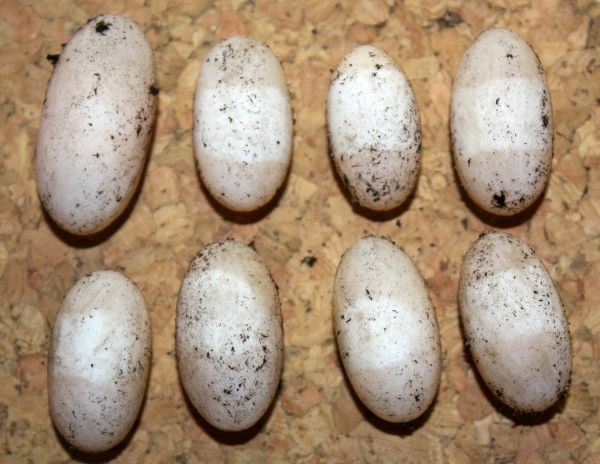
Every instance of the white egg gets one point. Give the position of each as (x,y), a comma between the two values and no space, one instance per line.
(374,128)
(229,335)
(242,124)
(386,330)
(502,125)
(99,361)
(96,124)
(514,323)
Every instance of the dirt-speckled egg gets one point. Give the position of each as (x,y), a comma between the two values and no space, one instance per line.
(99,361)
(386,330)
(514,323)
(502,125)
(96,124)
(374,128)
(242,124)
(229,335)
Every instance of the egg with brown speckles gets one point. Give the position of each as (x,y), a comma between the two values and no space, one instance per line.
(96,124)
(386,330)
(374,128)
(501,123)
(242,124)
(99,361)
(514,323)
(229,335)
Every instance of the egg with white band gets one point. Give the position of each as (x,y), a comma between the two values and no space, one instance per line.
(99,361)
(242,124)
(374,128)
(514,323)
(386,330)
(229,335)
(501,123)
(96,124)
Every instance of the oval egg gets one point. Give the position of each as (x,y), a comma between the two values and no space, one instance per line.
(242,124)
(386,330)
(96,124)
(374,128)
(514,323)
(229,335)
(501,123)
(99,361)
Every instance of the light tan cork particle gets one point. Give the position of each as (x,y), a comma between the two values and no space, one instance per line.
(301,235)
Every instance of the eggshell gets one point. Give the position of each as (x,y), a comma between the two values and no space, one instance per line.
(99,361)
(242,124)
(514,323)
(502,124)
(386,330)
(374,128)
(96,124)
(229,335)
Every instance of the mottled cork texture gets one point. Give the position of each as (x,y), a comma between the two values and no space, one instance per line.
(302,234)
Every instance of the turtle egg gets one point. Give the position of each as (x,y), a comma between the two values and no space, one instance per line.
(96,124)
(374,128)
(99,361)
(501,123)
(514,323)
(242,124)
(386,330)
(229,335)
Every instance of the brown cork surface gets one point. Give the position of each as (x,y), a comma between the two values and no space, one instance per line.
(303,233)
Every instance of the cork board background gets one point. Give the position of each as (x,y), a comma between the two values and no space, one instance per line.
(301,235)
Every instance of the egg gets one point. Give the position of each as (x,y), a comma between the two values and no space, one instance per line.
(99,361)
(374,128)
(96,124)
(501,123)
(229,335)
(242,124)
(386,329)
(514,323)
